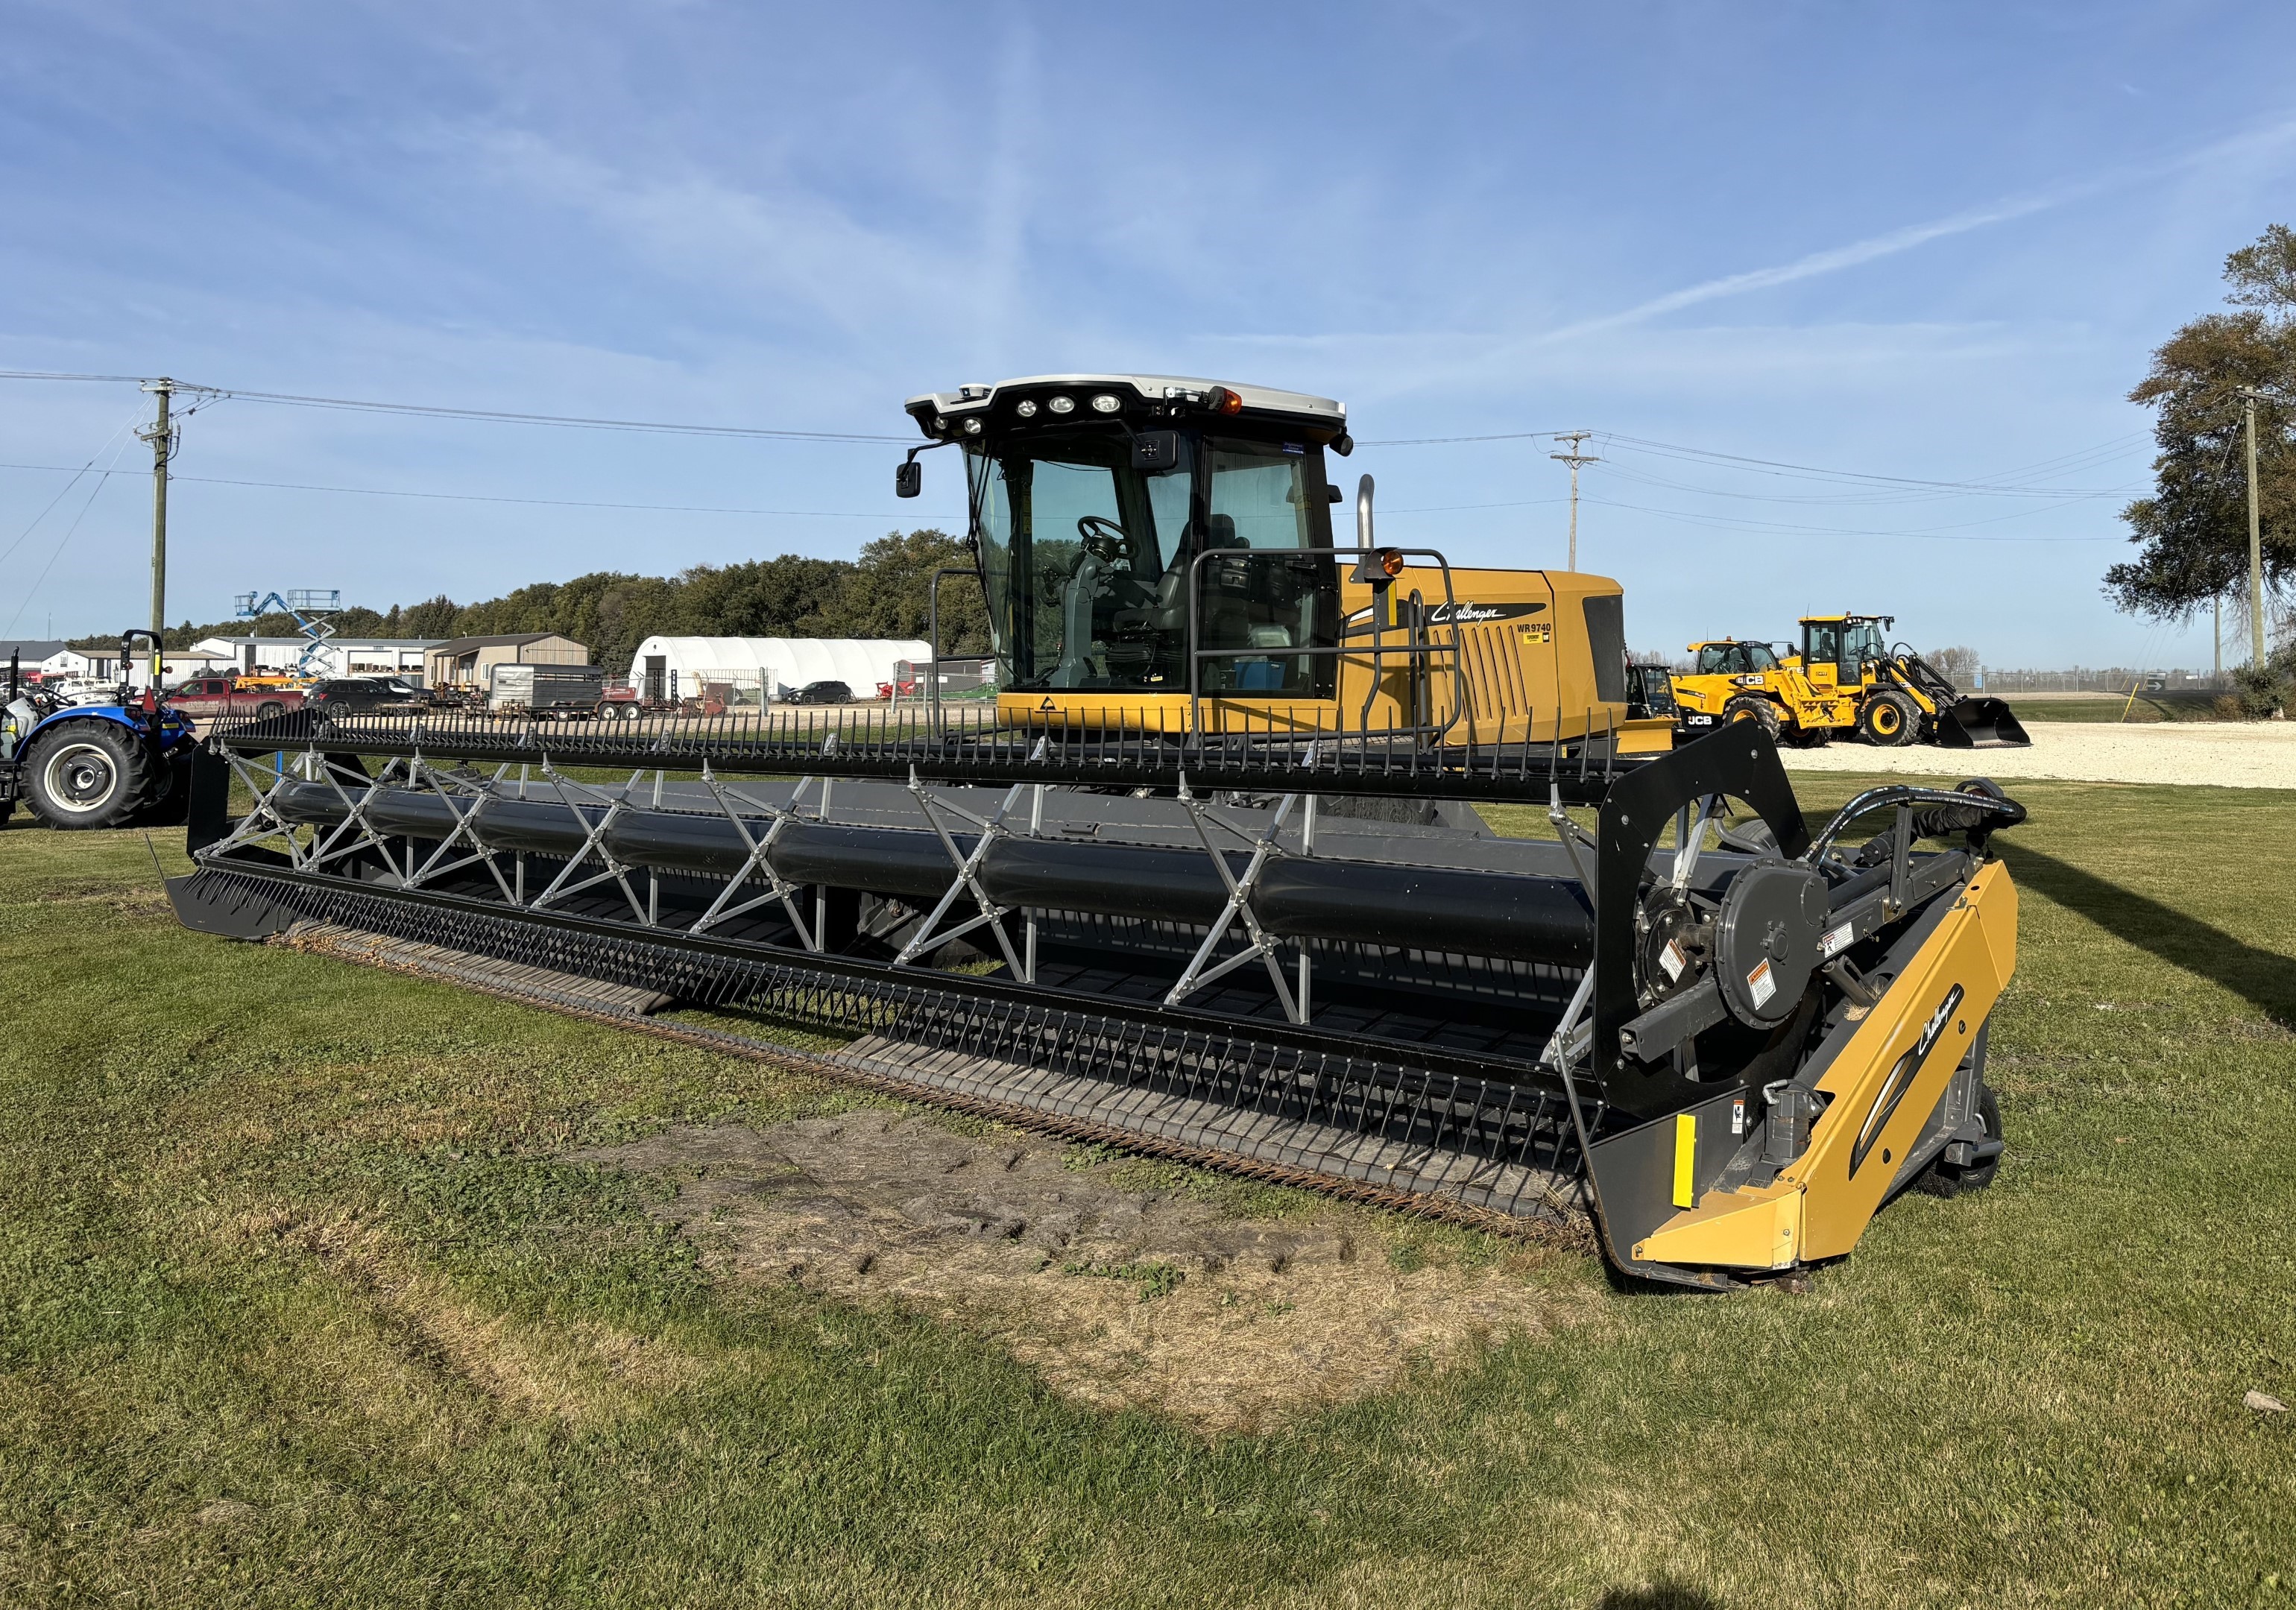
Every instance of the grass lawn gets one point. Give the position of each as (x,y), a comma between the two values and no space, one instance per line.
(297,1307)
(2119,707)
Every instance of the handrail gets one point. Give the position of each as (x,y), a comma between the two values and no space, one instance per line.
(1198,654)
(932,631)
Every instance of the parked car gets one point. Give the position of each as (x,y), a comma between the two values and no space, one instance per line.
(210,698)
(84,690)
(355,695)
(823,693)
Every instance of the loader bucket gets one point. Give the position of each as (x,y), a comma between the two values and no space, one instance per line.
(1979,724)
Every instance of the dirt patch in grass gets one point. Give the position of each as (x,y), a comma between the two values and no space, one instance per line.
(1120,1291)
(132,901)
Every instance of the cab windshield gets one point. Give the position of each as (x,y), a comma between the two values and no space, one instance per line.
(1087,562)
(1846,644)
(1732,659)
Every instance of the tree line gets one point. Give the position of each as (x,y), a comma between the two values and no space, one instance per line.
(884,592)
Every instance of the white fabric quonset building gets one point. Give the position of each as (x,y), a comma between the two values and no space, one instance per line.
(678,667)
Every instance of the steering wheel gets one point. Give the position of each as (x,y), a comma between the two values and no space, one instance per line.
(1095,528)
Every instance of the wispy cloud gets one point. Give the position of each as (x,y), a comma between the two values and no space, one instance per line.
(1831,261)
(1834,259)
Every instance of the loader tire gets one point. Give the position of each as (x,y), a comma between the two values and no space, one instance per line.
(1943,1179)
(173,807)
(1746,707)
(1889,720)
(1812,737)
(88,774)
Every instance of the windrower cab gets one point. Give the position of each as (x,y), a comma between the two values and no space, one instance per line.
(1159,555)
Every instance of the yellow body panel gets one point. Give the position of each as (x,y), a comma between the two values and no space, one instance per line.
(1883,1090)
(1527,677)
(1732,1229)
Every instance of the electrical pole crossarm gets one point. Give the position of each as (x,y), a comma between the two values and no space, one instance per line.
(1574,458)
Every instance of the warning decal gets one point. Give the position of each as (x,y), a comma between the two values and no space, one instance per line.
(1760,985)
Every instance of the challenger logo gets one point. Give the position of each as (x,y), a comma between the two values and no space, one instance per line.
(1901,1079)
(1461,614)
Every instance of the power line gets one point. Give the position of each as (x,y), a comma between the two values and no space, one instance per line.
(87,468)
(93,491)
(491,415)
(476,497)
(1999,484)
(1939,534)
(58,374)
(2002,483)
(566,421)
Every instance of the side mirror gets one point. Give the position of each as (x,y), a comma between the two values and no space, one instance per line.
(1155,452)
(908,479)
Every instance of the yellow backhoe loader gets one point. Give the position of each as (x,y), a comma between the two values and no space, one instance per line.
(1846,678)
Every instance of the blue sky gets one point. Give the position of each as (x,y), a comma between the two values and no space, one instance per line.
(1931,242)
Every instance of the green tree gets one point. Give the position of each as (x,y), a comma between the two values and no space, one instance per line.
(2191,533)
(432,617)
(889,592)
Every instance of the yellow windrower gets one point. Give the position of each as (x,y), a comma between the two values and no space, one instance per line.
(1213,883)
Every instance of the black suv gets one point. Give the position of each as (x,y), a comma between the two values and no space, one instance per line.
(351,695)
(823,693)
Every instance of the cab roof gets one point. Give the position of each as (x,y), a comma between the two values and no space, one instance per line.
(1139,395)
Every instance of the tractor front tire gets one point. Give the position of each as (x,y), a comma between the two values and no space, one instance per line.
(1746,707)
(1889,720)
(89,774)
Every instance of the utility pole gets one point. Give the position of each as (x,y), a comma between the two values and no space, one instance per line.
(2216,605)
(162,438)
(2255,542)
(1574,458)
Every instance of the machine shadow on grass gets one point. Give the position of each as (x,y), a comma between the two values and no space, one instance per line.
(1662,1595)
(2259,976)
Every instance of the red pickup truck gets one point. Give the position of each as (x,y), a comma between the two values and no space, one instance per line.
(207,697)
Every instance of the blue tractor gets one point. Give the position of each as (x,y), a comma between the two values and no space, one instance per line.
(95,765)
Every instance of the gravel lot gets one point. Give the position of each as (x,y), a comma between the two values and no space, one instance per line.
(2238,754)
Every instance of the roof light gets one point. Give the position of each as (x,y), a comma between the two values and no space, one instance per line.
(972,426)
(940,423)
(1219,399)
(1027,408)
(1062,404)
(1107,402)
